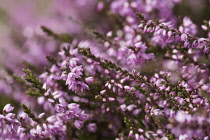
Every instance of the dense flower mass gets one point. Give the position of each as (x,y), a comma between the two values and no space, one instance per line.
(105,69)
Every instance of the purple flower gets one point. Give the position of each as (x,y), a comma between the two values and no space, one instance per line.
(51,119)
(83,116)
(59,108)
(51,100)
(89,80)
(77,85)
(41,115)
(73,106)
(39,130)
(10,116)
(92,127)
(76,72)
(23,116)
(78,124)
(8,108)
(184,137)
(69,114)
(188,26)
(184,37)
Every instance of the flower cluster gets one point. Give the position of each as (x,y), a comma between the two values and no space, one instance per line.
(107,69)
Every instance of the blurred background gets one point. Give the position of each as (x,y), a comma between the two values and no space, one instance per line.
(21,36)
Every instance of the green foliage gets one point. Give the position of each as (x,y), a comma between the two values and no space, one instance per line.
(30,114)
(60,37)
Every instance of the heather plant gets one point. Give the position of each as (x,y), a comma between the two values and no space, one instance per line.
(142,74)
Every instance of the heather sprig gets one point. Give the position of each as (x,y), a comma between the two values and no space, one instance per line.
(117,69)
(170,34)
(60,37)
(30,114)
